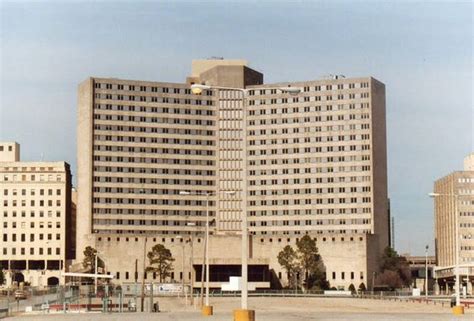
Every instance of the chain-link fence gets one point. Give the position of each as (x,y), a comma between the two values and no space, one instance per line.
(84,298)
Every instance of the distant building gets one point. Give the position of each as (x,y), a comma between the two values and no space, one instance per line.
(316,165)
(35,217)
(418,271)
(455,203)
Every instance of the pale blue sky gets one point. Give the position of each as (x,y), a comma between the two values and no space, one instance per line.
(422,51)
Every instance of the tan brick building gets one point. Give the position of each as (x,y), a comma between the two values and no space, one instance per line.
(316,164)
(456,203)
(36,219)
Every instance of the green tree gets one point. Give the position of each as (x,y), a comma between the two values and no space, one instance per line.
(305,259)
(160,261)
(310,262)
(287,258)
(395,271)
(2,277)
(89,259)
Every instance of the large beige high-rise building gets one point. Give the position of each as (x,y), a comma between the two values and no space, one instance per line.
(36,219)
(316,164)
(455,203)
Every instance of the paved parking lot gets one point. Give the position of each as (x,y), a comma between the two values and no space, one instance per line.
(278,309)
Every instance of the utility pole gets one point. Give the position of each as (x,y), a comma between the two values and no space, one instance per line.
(426,272)
(143,277)
(136,280)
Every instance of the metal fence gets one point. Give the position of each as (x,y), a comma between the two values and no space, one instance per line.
(128,298)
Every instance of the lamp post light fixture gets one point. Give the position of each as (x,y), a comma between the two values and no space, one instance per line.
(206,308)
(458,309)
(244,313)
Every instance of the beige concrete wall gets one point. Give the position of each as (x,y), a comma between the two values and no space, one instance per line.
(341,254)
(9,152)
(85,103)
(379,164)
(201,65)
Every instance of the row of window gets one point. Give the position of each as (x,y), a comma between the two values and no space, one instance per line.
(306,170)
(294,231)
(157,110)
(23,203)
(153,99)
(166,171)
(32,178)
(33,214)
(297,120)
(186,161)
(147,88)
(26,169)
(310,201)
(343,275)
(308,139)
(329,97)
(309,222)
(33,191)
(263,91)
(154,140)
(174,151)
(306,109)
(313,170)
(307,150)
(305,129)
(252,92)
(23,237)
(142,201)
(154,212)
(165,130)
(32,224)
(175,121)
(312,211)
(40,251)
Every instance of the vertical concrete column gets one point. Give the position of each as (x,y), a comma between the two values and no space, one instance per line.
(436,287)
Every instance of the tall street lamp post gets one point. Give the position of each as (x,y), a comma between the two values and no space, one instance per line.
(191,267)
(243,313)
(458,309)
(142,301)
(426,272)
